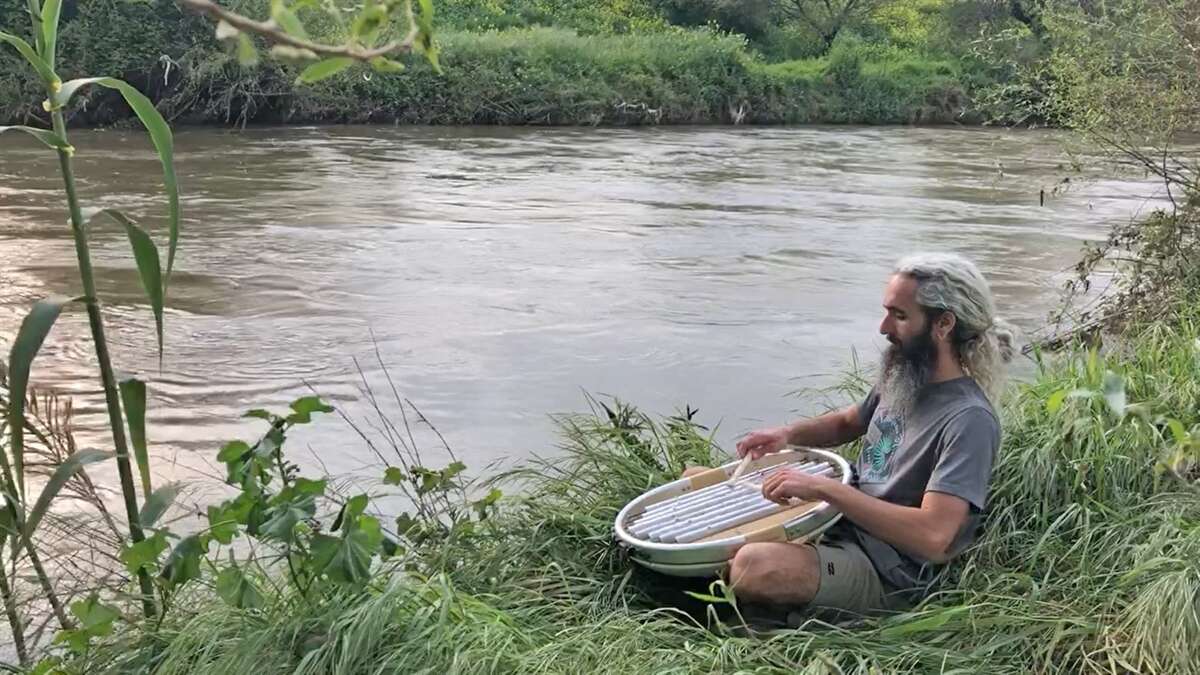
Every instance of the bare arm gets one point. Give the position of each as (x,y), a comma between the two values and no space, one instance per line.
(825,431)
(832,428)
(927,530)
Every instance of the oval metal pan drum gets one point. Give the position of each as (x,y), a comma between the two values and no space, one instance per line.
(691,527)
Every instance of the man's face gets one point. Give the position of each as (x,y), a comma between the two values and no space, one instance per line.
(904,321)
(909,362)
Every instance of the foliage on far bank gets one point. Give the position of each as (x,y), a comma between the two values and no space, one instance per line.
(616,62)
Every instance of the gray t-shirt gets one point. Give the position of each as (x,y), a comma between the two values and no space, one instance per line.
(947,443)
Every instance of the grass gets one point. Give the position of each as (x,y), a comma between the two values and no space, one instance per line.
(1089,563)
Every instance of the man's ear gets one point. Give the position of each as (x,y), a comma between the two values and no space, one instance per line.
(944,325)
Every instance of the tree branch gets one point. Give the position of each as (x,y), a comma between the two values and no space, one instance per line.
(272,32)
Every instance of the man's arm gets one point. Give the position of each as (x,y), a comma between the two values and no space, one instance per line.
(832,428)
(927,531)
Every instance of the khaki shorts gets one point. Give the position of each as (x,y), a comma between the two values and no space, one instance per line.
(849,583)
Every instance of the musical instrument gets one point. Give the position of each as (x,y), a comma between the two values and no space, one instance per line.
(693,526)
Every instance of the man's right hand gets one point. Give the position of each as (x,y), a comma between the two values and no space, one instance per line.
(763,442)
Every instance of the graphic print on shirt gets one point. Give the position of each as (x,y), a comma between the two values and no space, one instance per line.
(887,435)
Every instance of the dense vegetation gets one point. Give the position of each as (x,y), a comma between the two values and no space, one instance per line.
(570,62)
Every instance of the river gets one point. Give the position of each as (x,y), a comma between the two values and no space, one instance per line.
(503,273)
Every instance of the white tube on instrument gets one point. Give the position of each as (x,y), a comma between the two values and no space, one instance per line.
(726,520)
(671,523)
(691,520)
(712,490)
(717,492)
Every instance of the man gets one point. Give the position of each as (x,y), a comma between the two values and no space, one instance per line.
(931,438)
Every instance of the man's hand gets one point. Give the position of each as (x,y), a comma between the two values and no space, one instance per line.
(763,442)
(786,484)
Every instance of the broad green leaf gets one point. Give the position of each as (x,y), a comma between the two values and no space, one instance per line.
(145,254)
(183,564)
(1177,430)
(304,408)
(95,620)
(406,524)
(307,486)
(311,404)
(481,506)
(158,502)
(46,136)
(133,398)
(385,65)
(287,20)
(281,519)
(425,34)
(259,413)
(368,23)
(351,510)
(1054,403)
(94,616)
(347,559)
(247,54)
(42,68)
(160,135)
(393,476)
(233,451)
(145,553)
(25,346)
(50,12)
(323,69)
(269,444)
(235,588)
(453,470)
(57,480)
(223,520)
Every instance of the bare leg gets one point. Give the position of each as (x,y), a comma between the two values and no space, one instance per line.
(693,470)
(776,573)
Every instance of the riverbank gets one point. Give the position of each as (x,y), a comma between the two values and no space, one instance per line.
(554,76)
(1088,562)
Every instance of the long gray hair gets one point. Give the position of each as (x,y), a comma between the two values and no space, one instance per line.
(950,282)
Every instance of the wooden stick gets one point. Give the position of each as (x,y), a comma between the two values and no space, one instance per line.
(741,468)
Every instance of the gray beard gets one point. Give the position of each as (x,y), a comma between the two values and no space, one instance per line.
(901,380)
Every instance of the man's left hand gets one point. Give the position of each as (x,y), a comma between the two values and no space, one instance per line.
(786,484)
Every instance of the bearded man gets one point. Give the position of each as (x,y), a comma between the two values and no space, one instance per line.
(931,437)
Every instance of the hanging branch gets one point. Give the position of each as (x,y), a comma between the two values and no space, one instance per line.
(272,32)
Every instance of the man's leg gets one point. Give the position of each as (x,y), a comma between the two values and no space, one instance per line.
(775,573)
(834,575)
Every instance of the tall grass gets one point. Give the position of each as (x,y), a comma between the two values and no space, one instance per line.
(1089,563)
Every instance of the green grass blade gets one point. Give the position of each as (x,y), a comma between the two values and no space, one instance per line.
(323,69)
(42,68)
(145,253)
(160,135)
(51,139)
(133,397)
(50,12)
(158,502)
(56,482)
(33,331)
